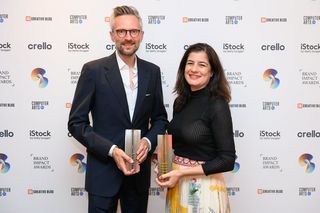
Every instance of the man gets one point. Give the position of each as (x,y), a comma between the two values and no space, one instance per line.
(121,92)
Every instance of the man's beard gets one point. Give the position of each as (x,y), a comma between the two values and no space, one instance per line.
(123,51)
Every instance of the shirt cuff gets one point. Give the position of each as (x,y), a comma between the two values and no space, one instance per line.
(111,149)
(149,148)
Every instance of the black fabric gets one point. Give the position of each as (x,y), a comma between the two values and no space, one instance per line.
(203,130)
(132,199)
(100,204)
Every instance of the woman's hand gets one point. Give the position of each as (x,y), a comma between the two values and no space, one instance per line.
(169,179)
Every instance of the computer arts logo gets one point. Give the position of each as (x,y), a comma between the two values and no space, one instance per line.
(77,191)
(305,161)
(76,160)
(156,19)
(306,191)
(310,20)
(3,17)
(233,19)
(4,191)
(270,75)
(4,166)
(38,75)
(77,19)
(232,191)
(156,191)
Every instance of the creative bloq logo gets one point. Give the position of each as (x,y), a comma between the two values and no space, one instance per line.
(4,166)
(76,160)
(37,18)
(238,105)
(194,19)
(38,75)
(68,105)
(273,19)
(236,166)
(270,75)
(305,161)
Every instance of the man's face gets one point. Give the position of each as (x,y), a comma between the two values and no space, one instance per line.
(126,34)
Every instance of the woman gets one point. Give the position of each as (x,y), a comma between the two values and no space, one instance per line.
(202,135)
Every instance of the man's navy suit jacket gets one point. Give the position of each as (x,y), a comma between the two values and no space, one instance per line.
(100,90)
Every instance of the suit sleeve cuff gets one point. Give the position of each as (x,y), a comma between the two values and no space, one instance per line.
(111,150)
(149,148)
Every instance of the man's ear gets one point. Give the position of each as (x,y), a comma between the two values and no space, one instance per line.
(111,35)
(142,33)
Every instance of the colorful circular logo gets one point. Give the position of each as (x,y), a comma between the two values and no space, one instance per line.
(38,75)
(270,75)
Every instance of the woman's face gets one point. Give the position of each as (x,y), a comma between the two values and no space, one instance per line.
(198,70)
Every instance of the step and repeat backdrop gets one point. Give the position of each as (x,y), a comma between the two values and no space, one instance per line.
(270,50)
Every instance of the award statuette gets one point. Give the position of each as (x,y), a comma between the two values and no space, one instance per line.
(164,153)
(132,140)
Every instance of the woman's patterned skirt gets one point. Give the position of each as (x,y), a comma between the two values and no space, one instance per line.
(197,194)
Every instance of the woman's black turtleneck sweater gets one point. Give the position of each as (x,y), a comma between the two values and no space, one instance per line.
(203,131)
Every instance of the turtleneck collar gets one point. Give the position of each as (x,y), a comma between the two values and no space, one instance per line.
(200,93)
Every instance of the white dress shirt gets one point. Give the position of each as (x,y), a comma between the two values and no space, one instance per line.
(130,93)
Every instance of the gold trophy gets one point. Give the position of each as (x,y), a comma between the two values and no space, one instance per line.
(132,140)
(164,154)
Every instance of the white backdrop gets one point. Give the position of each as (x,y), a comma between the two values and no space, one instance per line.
(275,124)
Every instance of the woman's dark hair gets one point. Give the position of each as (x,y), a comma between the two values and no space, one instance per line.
(218,84)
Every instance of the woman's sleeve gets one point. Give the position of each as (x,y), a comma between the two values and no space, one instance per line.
(220,122)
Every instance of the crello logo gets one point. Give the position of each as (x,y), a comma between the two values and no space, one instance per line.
(76,160)
(305,160)
(4,166)
(38,75)
(270,74)
(236,166)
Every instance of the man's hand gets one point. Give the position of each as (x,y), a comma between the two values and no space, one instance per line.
(122,160)
(142,151)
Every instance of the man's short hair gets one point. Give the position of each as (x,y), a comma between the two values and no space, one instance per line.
(124,10)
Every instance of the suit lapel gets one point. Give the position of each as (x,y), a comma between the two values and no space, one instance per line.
(143,81)
(113,76)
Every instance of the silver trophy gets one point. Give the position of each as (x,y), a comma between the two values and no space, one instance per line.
(132,140)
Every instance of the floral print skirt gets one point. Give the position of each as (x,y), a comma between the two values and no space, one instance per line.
(197,194)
